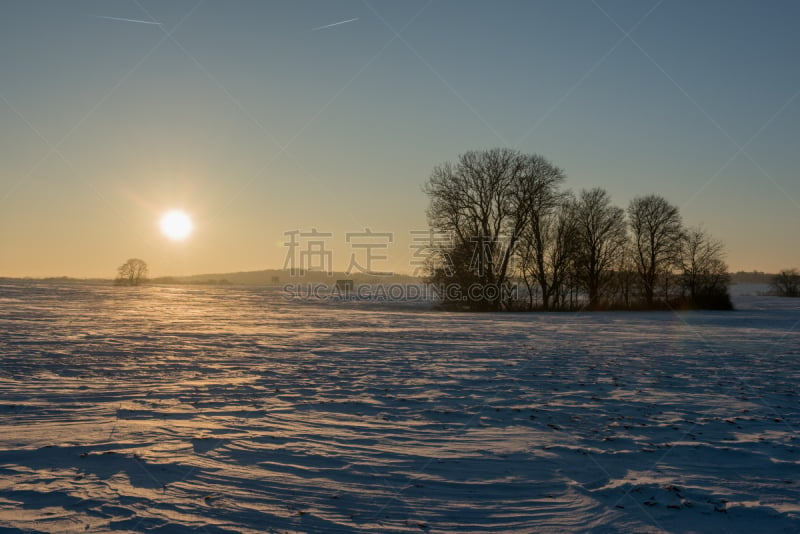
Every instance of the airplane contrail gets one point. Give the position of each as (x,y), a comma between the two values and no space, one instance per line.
(129,20)
(334,24)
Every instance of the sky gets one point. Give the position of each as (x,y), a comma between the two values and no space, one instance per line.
(263,118)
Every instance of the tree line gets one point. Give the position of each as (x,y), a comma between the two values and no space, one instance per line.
(519,240)
(786,283)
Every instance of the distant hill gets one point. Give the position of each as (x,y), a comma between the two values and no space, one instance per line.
(256,278)
(59,279)
(282,276)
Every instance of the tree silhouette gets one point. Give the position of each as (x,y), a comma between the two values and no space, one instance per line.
(547,249)
(132,273)
(705,277)
(786,283)
(485,201)
(657,232)
(508,222)
(601,239)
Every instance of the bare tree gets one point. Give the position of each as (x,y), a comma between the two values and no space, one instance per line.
(786,283)
(548,247)
(601,236)
(702,263)
(132,273)
(657,230)
(485,200)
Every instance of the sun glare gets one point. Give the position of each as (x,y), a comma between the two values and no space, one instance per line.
(176,225)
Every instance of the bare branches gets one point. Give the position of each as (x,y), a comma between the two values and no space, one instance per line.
(657,233)
(705,274)
(786,283)
(501,205)
(132,273)
(486,200)
(601,237)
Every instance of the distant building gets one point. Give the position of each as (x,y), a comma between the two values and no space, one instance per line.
(344,287)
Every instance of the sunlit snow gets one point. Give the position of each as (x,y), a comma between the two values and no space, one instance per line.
(235,410)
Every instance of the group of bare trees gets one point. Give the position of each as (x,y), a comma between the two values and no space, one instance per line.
(786,283)
(489,202)
(514,227)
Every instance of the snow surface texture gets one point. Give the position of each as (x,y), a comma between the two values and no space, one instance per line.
(235,410)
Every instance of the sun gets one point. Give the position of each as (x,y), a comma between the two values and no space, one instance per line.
(176,225)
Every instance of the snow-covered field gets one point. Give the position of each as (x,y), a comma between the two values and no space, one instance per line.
(235,410)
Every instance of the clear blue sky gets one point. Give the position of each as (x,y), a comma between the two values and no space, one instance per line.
(257,123)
